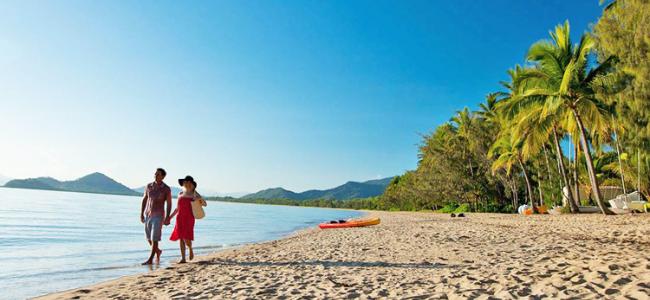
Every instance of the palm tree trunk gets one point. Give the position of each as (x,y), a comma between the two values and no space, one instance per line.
(590,166)
(576,178)
(515,195)
(528,186)
(620,165)
(471,169)
(565,178)
(549,177)
(638,170)
(539,189)
(618,155)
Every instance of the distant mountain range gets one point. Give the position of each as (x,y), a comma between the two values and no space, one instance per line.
(102,184)
(91,183)
(349,190)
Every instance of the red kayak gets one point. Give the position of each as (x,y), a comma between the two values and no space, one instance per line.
(350,223)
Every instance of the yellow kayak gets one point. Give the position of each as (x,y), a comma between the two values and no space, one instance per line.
(350,223)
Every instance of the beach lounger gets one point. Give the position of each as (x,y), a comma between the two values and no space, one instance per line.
(629,202)
(522,208)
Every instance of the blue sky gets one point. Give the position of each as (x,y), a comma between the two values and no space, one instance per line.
(246,95)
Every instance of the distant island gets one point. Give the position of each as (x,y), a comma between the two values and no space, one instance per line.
(97,183)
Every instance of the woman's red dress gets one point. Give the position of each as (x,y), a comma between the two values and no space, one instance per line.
(184,226)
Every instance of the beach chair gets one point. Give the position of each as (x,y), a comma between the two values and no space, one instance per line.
(522,209)
(629,202)
(618,202)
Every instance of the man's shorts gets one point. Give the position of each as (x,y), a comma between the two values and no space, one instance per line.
(153,228)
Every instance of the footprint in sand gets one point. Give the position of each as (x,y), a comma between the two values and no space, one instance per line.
(622,281)
(614,267)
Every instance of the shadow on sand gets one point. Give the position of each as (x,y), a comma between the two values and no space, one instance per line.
(325,263)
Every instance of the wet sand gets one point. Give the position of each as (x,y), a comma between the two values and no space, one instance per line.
(417,256)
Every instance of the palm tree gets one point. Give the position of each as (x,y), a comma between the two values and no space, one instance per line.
(567,88)
(464,122)
(494,120)
(507,149)
(488,112)
(528,112)
(541,128)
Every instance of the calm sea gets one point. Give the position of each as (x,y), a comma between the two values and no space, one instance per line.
(53,241)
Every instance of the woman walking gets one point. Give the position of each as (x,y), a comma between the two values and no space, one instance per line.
(184,225)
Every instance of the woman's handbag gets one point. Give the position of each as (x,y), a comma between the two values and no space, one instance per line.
(197,208)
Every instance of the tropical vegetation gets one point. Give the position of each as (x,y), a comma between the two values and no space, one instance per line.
(590,98)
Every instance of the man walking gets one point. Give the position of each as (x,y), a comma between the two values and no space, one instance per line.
(152,213)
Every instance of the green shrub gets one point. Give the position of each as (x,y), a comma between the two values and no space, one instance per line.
(449,208)
(507,209)
(463,208)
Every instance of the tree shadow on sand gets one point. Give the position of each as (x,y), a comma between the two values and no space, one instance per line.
(326,263)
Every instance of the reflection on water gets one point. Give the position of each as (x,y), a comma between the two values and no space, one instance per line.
(52,241)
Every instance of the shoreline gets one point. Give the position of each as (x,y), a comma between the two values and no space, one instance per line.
(302,230)
(197,260)
(420,255)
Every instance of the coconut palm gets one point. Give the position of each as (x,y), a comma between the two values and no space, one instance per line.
(526,112)
(465,123)
(540,128)
(566,87)
(507,150)
(490,115)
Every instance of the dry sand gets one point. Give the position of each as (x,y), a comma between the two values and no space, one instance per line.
(417,256)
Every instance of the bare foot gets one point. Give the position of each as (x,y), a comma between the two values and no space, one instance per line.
(182,261)
(158,255)
(148,262)
(191,254)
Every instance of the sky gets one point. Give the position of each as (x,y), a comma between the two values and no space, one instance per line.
(246,95)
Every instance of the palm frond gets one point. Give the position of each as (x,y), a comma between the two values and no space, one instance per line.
(602,69)
(567,78)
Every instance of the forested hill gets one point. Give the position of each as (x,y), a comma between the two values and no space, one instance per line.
(91,183)
(349,190)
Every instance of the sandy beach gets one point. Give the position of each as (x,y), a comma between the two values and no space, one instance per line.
(417,256)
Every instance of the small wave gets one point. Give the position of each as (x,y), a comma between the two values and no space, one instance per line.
(23,226)
(63,272)
(24,241)
(211,247)
(104,253)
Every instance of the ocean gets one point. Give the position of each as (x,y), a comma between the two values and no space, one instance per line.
(53,241)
